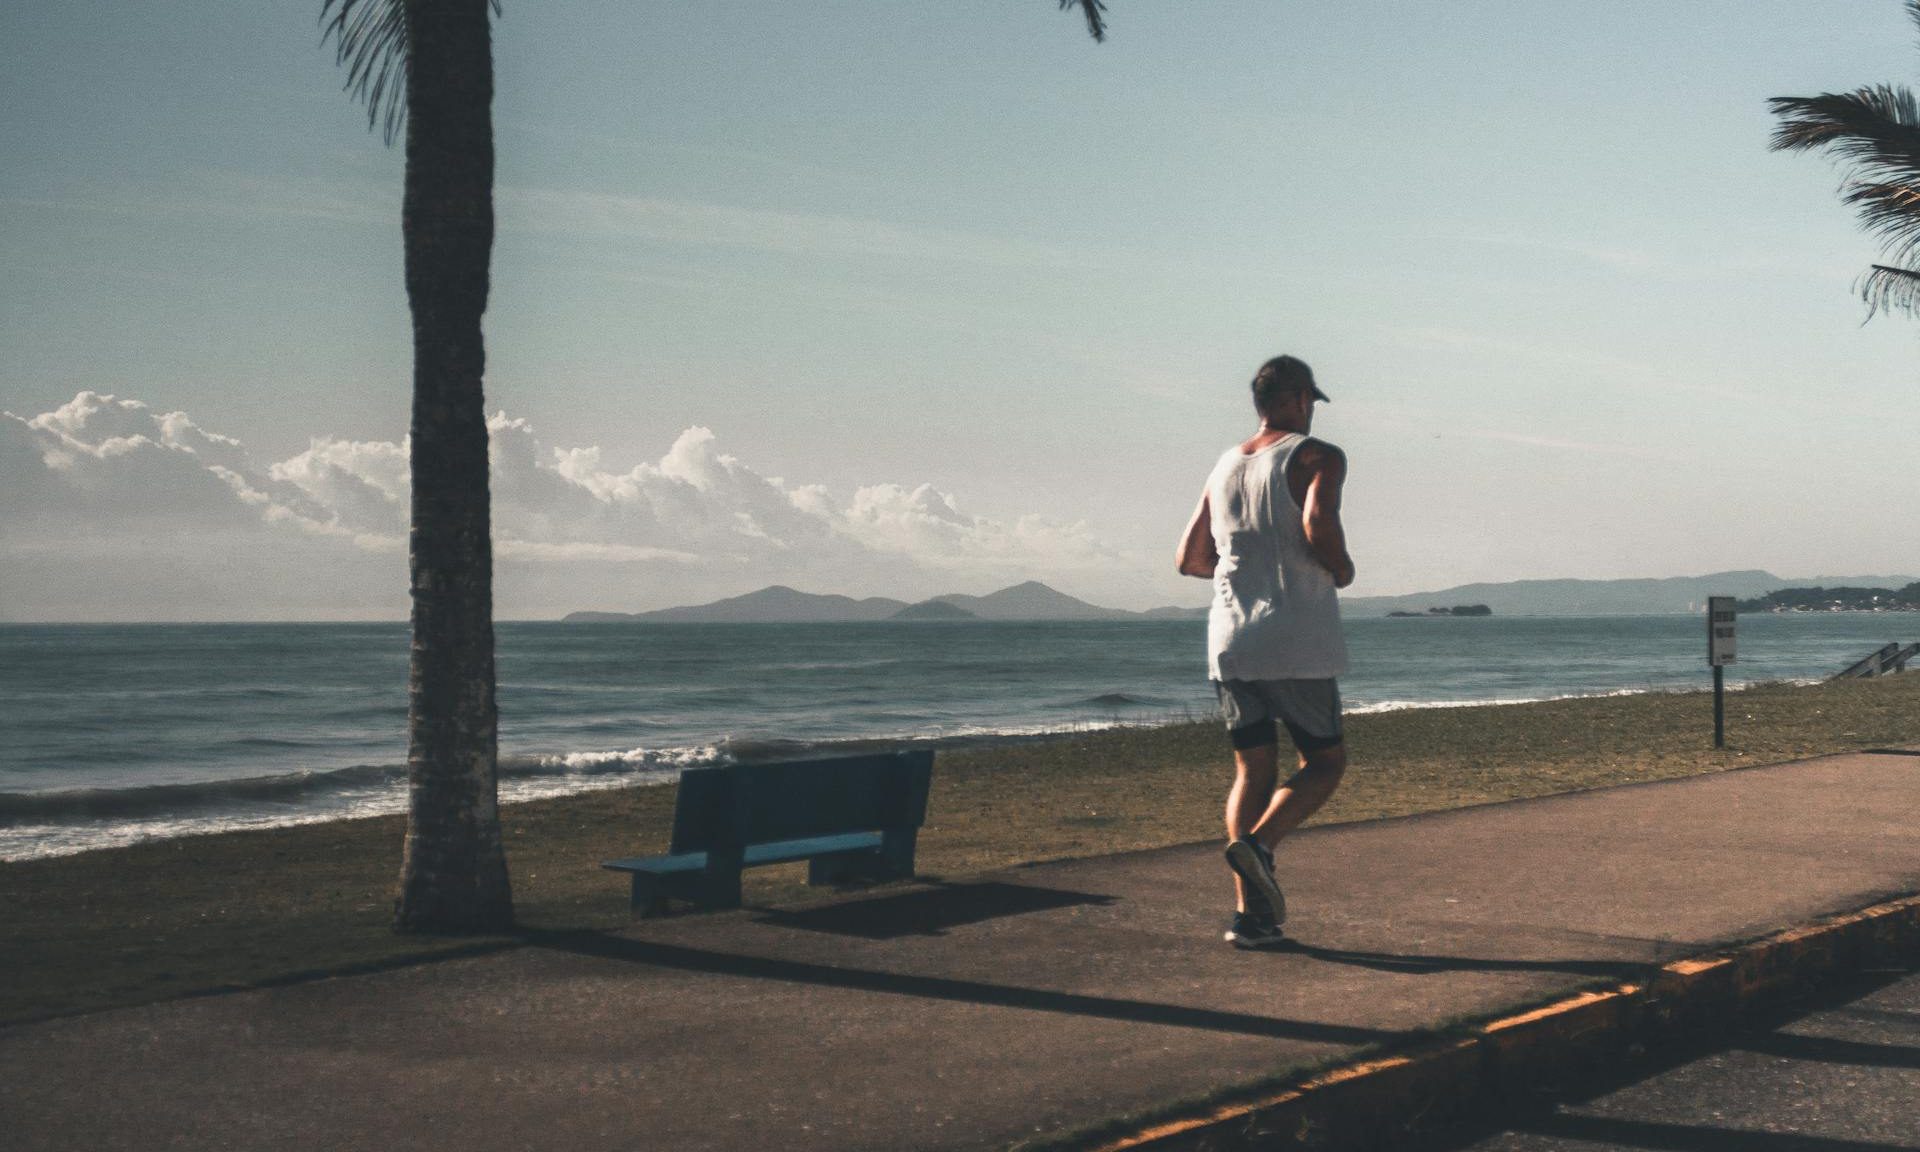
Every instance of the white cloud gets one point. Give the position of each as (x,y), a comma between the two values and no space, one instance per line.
(102,463)
(101,477)
(929,526)
(362,483)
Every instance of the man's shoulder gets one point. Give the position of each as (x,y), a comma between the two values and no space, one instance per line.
(1228,458)
(1319,453)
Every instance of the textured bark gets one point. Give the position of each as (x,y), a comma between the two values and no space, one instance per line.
(454,875)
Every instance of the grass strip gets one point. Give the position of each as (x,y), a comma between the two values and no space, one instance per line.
(207,913)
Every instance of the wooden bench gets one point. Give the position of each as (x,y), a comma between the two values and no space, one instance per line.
(855,817)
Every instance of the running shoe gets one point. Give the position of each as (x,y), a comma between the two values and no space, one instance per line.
(1254,864)
(1253,930)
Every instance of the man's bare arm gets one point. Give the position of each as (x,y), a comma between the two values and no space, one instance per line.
(1198,556)
(1320,513)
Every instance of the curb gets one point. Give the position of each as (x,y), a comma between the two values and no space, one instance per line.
(1387,1100)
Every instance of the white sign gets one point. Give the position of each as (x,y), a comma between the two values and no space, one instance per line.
(1720,617)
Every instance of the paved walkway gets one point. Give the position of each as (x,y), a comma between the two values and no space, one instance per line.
(978,1014)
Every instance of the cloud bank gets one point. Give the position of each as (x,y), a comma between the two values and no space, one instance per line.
(116,510)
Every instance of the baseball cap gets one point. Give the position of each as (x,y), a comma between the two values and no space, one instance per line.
(1285,374)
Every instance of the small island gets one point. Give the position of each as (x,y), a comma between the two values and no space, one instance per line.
(1456,610)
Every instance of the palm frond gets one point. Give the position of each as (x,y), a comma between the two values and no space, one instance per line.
(1097,23)
(1875,133)
(1890,210)
(1888,289)
(370,38)
(1874,126)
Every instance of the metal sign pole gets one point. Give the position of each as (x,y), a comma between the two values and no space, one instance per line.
(1719,707)
(1720,653)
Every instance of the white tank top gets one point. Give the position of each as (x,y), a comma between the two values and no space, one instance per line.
(1275,613)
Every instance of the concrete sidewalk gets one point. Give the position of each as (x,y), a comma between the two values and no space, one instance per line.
(984,1013)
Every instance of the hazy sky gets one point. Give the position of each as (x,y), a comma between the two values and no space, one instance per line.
(888,298)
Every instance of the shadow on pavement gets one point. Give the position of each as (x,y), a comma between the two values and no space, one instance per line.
(1831,1051)
(1398,962)
(1894,1016)
(931,912)
(659,955)
(1690,1138)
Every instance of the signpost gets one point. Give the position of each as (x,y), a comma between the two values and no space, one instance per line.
(1720,653)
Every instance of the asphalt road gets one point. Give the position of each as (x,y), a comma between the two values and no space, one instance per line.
(1842,1078)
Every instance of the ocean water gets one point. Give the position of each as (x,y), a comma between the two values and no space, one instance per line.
(118,733)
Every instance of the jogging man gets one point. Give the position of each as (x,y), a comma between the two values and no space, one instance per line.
(1268,534)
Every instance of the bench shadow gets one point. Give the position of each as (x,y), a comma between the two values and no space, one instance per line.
(1418,963)
(1891,751)
(653,954)
(929,912)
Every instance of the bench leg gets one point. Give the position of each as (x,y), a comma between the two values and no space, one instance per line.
(716,886)
(842,867)
(896,846)
(649,896)
(893,860)
(720,881)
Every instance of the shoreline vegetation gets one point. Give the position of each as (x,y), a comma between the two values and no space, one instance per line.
(199,914)
(1843,599)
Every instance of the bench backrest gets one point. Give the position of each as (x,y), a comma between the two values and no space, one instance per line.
(743,804)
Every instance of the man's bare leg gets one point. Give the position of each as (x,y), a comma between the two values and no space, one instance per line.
(1301,796)
(1250,801)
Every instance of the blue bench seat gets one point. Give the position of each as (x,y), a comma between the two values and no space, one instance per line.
(779,852)
(854,817)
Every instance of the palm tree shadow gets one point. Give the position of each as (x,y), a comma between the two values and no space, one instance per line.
(1420,964)
(1829,1050)
(657,954)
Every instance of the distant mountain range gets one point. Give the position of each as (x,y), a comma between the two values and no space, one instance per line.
(780,604)
(1035,601)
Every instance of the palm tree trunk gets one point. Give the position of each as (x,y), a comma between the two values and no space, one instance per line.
(454,874)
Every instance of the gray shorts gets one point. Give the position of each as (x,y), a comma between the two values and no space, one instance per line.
(1255,709)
